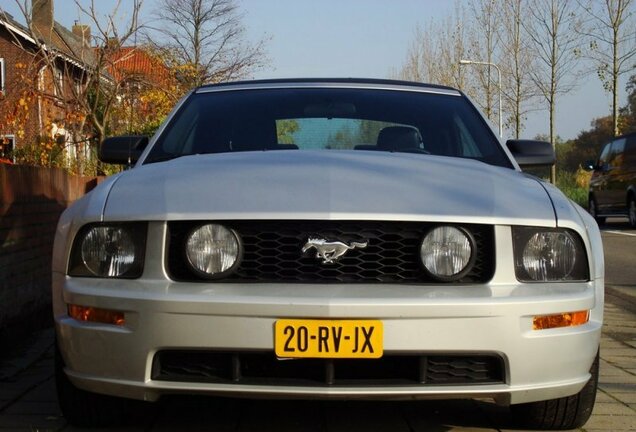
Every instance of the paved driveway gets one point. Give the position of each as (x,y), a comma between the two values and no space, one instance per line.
(27,390)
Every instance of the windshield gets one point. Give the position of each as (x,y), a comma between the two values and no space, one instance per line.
(328,119)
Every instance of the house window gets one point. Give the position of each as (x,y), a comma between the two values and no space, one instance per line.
(58,88)
(78,86)
(2,75)
(7,144)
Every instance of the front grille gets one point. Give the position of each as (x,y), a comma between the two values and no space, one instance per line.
(272,252)
(263,368)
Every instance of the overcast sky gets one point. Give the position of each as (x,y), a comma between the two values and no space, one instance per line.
(358,38)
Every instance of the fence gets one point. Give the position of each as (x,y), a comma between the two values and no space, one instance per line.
(31,201)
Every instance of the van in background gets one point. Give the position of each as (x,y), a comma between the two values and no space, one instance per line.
(613,184)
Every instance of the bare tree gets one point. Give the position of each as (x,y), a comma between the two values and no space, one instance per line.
(455,35)
(420,64)
(75,74)
(436,49)
(102,88)
(484,48)
(611,33)
(207,36)
(556,44)
(516,62)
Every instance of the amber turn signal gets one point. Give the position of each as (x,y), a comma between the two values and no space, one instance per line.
(87,313)
(567,319)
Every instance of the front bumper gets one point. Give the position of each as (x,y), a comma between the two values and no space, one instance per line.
(495,319)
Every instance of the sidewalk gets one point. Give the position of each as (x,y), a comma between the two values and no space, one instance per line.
(27,388)
(615,407)
(28,401)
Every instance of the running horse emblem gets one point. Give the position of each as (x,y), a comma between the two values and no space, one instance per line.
(330,252)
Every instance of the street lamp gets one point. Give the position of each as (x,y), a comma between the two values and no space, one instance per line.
(469,62)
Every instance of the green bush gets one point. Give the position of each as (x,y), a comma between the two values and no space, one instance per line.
(566,181)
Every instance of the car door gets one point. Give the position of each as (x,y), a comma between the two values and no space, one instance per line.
(629,177)
(615,177)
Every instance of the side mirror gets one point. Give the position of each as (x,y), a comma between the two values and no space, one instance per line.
(122,150)
(531,153)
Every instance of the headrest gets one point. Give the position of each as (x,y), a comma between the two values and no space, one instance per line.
(399,137)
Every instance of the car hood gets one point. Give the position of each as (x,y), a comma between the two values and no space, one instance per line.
(355,185)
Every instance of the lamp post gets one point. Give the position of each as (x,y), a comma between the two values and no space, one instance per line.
(469,62)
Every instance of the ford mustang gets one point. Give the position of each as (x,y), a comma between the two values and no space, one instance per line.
(330,238)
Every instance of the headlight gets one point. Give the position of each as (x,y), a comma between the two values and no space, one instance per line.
(447,253)
(109,250)
(212,250)
(545,254)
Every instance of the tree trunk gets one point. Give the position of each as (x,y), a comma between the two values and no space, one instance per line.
(615,73)
(488,98)
(518,110)
(553,86)
(552,137)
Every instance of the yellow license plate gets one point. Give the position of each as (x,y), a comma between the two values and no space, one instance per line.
(328,338)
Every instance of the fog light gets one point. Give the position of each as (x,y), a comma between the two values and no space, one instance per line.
(212,250)
(568,319)
(91,314)
(447,253)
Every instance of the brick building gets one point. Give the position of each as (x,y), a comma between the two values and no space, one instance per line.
(147,87)
(137,64)
(39,70)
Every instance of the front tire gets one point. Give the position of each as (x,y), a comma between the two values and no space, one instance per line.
(82,408)
(631,211)
(563,413)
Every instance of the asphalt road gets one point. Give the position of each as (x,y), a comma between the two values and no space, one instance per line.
(27,399)
(619,244)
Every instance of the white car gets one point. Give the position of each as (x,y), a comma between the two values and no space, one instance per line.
(329,238)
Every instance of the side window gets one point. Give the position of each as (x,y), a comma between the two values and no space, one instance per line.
(2,75)
(180,134)
(603,158)
(58,86)
(468,146)
(617,154)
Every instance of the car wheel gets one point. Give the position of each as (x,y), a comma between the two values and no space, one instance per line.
(82,408)
(594,212)
(563,413)
(631,209)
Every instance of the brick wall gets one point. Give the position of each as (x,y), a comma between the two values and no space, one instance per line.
(31,201)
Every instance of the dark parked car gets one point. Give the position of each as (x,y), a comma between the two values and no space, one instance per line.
(613,183)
